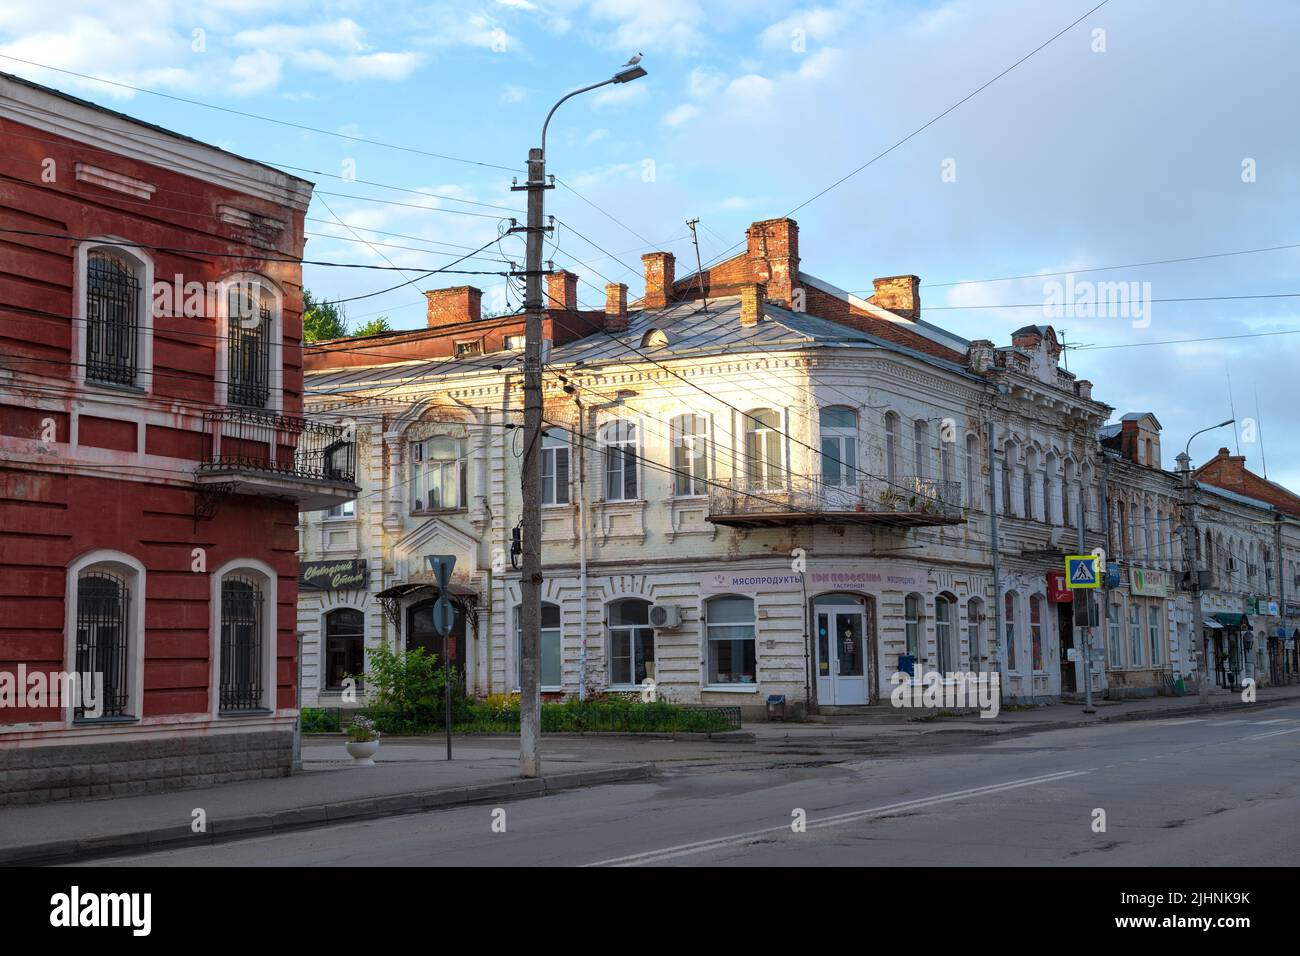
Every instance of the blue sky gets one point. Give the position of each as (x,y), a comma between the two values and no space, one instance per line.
(1171,133)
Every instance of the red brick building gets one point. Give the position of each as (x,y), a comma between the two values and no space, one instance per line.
(153,457)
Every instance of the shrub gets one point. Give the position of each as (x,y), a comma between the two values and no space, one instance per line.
(406,691)
(317,721)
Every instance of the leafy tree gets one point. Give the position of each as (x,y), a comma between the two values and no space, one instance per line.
(322,320)
(373,327)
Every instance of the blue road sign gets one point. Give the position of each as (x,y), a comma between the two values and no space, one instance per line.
(441,565)
(444,615)
(1081,571)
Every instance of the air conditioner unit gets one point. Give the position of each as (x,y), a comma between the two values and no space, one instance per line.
(665,616)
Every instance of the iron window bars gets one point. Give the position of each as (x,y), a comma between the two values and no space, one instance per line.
(241,644)
(112,320)
(103,601)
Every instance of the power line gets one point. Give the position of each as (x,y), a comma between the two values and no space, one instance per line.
(256,116)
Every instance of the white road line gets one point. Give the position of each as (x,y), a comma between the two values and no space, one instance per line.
(1224,723)
(1275,720)
(703,846)
(1273,733)
(1175,721)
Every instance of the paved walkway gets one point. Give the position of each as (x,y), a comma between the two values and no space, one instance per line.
(408,776)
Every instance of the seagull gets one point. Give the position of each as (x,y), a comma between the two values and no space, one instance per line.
(634,61)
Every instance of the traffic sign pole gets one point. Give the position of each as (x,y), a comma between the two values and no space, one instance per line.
(444,619)
(1086,629)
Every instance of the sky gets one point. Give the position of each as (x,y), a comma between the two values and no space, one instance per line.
(1151,130)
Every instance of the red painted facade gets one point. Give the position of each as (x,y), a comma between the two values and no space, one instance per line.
(87,467)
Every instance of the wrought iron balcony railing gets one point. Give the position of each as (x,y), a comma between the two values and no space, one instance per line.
(906,499)
(248,440)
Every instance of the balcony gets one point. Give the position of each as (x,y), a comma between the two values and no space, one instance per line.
(907,501)
(252,452)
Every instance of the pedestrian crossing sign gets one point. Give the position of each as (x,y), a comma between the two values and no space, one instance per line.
(1081,571)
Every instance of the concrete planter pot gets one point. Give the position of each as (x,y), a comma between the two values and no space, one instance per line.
(363,752)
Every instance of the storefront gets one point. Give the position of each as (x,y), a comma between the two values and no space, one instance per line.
(1230,643)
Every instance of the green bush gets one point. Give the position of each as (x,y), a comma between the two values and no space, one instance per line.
(608,714)
(406,691)
(317,721)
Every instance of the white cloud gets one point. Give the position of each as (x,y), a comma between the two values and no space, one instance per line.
(513,94)
(703,82)
(620,93)
(596,135)
(642,25)
(255,72)
(819,24)
(681,114)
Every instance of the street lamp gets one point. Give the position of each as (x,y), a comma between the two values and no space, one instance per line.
(1192,567)
(530,612)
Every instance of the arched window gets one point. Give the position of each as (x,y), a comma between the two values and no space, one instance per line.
(631,643)
(1049,489)
(1027,482)
(1036,630)
(250,317)
(764,457)
(731,636)
(1009,626)
(555,467)
(974,493)
(691,455)
(1008,469)
(1120,526)
(243,610)
(920,448)
(551,645)
(975,646)
(437,474)
(1148,535)
(1115,637)
(945,632)
(947,449)
(891,447)
(116,303)
(839,431)
(345,633)
(912,606)
(1069,495)
(619,447)
(104,634)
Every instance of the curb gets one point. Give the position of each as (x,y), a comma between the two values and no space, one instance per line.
(311,817)
(1149,714)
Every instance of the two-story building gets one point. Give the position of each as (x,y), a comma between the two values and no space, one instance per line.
(153,454)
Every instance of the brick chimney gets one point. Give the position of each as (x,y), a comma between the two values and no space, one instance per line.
(562,291)
(462,303)
(773,246)
(660,271)
(751,304)
(615,307)
(899,294)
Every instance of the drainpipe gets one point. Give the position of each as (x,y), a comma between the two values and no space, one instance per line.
(582,544)
(997,566)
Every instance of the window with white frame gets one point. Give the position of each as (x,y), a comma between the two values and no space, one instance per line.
(732,637)
(1135,634)
(912,605)
(116,307)
(1036,631)
(891,447)
(631,643)
(618,440)
(1008,472)
(839,437)
(555,466)
(1155,639)
(921,448)
(347,509)
(764,452)
(104,635)
(551,645)
(1027,483)
(691,454)
(974,493)
(437,474)
(250,326)
(974,611)
(514,343)
(468,349)
(1115,637)
(945,629)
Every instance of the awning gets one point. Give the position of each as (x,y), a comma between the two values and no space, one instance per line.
(1229,619)
(1211,624)
(402,590)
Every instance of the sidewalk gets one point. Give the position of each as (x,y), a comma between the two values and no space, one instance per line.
(1033,720)
(408,777)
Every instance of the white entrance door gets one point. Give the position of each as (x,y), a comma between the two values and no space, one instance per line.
(841,649)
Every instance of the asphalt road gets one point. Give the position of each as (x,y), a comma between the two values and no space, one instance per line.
(1213,791)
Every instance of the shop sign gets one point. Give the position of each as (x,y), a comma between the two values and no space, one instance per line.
(332,575)
(1148,582)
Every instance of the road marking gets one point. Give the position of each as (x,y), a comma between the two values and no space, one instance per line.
(1275,720)
(1175,721)
(703,846)
(1224,723)
(1273,733)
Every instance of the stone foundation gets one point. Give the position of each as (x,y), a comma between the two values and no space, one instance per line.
(125,768)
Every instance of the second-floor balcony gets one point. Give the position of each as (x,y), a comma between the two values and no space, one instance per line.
(261,453)
(905,501)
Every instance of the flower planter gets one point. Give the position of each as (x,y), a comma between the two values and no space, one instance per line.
(363,752)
